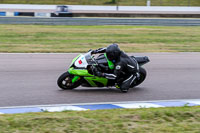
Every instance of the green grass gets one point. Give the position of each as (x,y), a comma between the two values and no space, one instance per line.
(152,120)
(107,2)
(41,38)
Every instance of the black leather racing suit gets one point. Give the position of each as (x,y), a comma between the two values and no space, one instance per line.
(125,70)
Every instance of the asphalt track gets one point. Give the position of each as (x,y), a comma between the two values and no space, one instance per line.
(100,21)
(30,79)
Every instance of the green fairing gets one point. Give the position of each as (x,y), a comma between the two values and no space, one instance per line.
(91,80)
(110,64)
(75,59)
(79,72)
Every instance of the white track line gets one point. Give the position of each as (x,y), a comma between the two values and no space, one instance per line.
(120,102)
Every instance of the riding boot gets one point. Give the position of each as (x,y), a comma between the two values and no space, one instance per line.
(126,83)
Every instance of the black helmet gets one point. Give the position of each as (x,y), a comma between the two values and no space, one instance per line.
(113,52)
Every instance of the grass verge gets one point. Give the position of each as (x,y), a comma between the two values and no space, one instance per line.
(42,38)
(176,119)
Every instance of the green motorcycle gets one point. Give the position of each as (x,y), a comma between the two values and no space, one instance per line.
(80,72)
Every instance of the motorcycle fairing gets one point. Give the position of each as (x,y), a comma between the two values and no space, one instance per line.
(79,72)
(94,81)
(141,59)
(81,62)
(74,60)
(97,81)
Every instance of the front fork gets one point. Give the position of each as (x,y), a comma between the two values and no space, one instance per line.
(75,78)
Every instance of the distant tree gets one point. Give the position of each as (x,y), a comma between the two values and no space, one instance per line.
(113,1)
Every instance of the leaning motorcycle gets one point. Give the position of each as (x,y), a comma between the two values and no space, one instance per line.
(80,72)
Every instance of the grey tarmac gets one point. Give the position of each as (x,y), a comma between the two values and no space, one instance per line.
(101,21)
(30,79)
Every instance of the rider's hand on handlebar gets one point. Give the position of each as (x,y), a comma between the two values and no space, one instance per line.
(109,76)
(93,52)
(90,50)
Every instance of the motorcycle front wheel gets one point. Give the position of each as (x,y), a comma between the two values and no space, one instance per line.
(65,81)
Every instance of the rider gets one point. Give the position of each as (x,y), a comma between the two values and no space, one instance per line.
(126,68)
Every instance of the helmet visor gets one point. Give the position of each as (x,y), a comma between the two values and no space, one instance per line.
(111,56)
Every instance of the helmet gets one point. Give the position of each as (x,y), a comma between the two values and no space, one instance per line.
(113,52)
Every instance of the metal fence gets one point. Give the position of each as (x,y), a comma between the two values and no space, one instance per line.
(108,2)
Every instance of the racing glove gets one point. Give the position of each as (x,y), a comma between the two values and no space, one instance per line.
(109,76)
(96,72)
(100,50)
(106,75)
(94,52)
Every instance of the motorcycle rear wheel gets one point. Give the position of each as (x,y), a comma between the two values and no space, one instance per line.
(65,81)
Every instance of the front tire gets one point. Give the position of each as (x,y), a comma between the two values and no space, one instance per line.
(143,74)
(65,81)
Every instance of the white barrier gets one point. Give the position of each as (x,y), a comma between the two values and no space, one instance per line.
(160,8)
(10,14)
(42,14)
(27,6)
(102,8)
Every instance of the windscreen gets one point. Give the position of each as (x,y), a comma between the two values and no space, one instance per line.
(90,60)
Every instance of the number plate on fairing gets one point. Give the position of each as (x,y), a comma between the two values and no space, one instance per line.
(81,62)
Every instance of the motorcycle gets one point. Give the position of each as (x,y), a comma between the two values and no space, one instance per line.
(80,72)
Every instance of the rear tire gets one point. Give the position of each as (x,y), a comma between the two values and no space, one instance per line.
(143,74)
(65,81)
